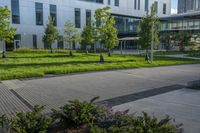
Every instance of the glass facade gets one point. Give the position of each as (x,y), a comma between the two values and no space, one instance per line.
(156,6)
(88,16)
(190,24)
(138,4)
(35,41)
(96,1)
(188,5)
(146,6)
(116,2)
(108,2)
(126,25)
(53,14)
(39,13)
(135,4)
(15,11)
(164,8)
(77,17)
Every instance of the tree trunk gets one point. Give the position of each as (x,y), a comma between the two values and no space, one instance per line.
(86,50)
(95,51)
(109,53)
(147,55)
(70,53)
(4,50)
(101,58)
(70,50)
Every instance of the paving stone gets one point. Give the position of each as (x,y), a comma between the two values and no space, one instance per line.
(9,103)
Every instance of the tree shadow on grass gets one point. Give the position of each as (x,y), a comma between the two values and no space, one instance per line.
(6,66)
(52,56)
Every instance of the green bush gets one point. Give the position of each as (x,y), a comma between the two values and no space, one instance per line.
(121,122)
(86,117)
(77,113)
(29,122)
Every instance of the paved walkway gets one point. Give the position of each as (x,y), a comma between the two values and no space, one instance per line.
(54,92)
(183,105)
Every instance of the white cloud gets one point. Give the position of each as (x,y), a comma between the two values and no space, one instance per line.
(174,11)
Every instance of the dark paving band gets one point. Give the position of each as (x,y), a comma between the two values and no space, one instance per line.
(22,99)
(140,95)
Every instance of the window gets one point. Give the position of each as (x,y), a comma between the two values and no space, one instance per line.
(77,17)
(164,8)
(146,5)
(15,11)
(96,1)
(35,41)
(88,17)
(53,14)
(39,13)
(156,6)
(108,2)
(116,2)
(135,4)
(17,40)
(138,4)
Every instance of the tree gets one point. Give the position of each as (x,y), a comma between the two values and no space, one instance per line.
(50,34)
(167,37)
(107,32)
(148,24)
(88,35)
(71,35)
(7,32)
(183,39)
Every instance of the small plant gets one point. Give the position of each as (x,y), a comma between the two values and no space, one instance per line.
(96,129)
(30,122)
(5,124)
(77,113)
(147,124)
(122,122)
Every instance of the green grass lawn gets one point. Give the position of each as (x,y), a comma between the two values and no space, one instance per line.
(33,64)
(194,53)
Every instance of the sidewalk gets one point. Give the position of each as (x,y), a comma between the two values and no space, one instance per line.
(183,105)
(56,91)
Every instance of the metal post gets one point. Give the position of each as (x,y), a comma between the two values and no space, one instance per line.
(121,46)
(152,42)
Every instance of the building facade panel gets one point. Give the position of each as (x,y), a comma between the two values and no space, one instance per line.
(28,27)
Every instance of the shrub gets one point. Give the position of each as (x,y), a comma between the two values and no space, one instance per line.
(77,113)
(30,122)
(29,50)
(85,117)
(122,122)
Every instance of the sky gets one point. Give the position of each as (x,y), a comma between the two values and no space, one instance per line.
(174,6)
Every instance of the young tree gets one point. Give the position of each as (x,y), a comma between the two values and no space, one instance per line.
(107,32)
(148,24)
(71,35)
(183,39)
(88,35)
(7,32)
(50,34)
(167,37)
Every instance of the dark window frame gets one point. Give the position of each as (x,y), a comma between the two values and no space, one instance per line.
(77,17)
(39,15)
(15,9)
(53,13)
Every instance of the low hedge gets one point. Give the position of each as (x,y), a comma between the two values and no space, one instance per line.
(85,117)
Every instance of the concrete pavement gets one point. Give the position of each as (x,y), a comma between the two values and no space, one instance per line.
(56,91)
(183,105)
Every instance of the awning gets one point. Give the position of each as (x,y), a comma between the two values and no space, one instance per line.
(129,39)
